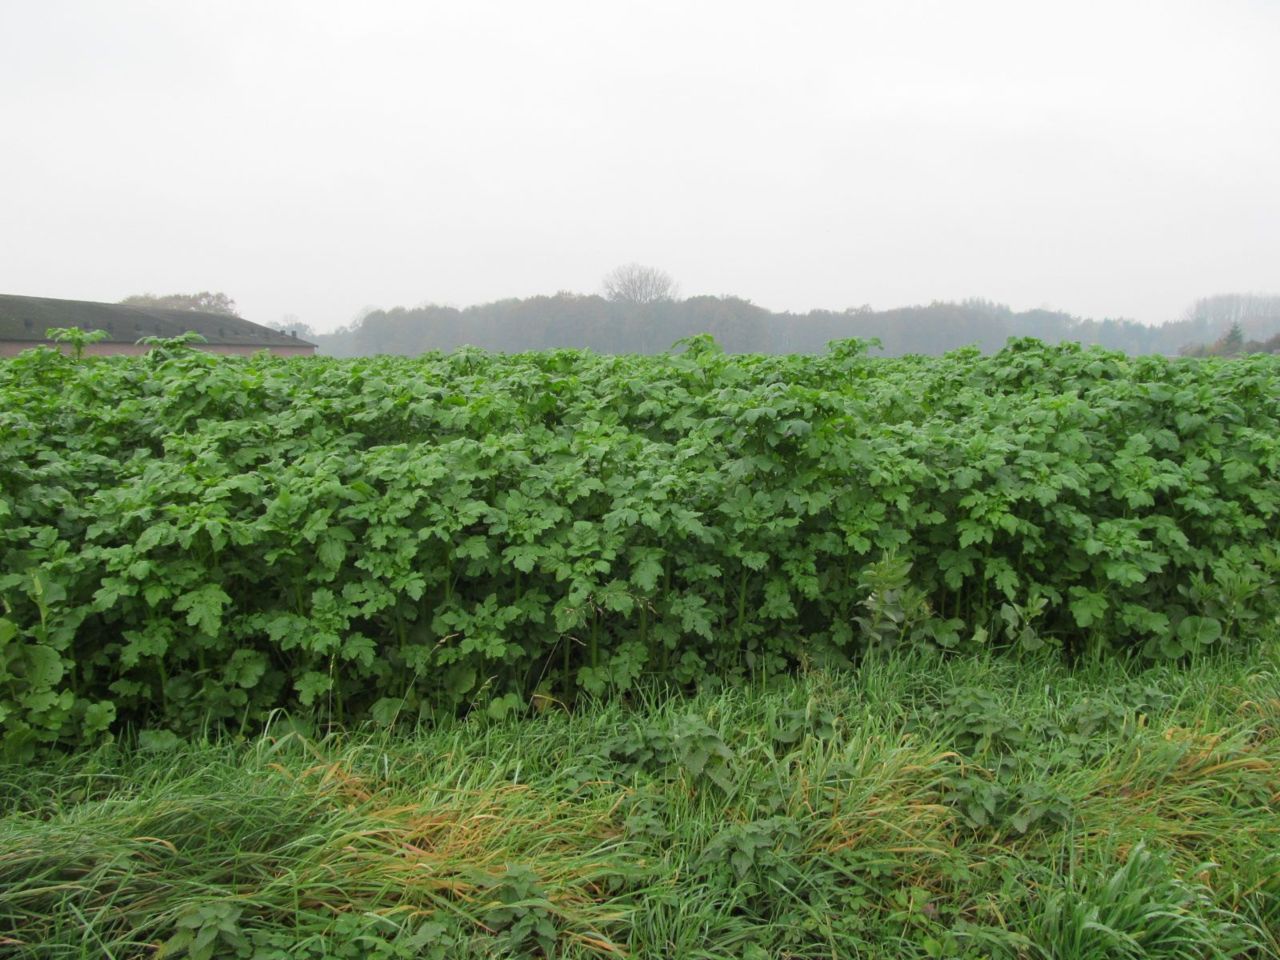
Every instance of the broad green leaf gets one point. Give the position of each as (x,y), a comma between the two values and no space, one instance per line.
(1199,631)
(204,607)
(44,667)
(311,686)
(1087,607)
(98,717)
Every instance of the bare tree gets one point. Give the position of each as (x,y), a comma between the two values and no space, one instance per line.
(203,302)
(634,283)
(292,323)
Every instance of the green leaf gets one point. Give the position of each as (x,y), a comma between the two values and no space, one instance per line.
(44,666)
(386,710)
(245,668)
(359,648)
(645,574)
(594,680)
(98,717)
(312,685)
(473,548)
(331,551)
(204,607)
(1199,631)
(158,740)
(500,708)
(694,615)
(1087,606)
(460,680)
(1005,577)
(523,557)
(614,597)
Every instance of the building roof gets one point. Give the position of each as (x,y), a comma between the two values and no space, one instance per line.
(27,319)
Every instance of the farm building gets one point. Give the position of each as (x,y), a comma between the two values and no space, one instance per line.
(24,320)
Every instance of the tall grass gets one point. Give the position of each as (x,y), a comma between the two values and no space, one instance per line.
(912,809)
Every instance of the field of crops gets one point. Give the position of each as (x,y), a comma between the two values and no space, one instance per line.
(707,656)
(191,542)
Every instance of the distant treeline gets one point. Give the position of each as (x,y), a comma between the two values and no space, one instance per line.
(1233,344)
(612,326)
(1250,319)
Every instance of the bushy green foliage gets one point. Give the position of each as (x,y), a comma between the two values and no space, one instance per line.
(189,540)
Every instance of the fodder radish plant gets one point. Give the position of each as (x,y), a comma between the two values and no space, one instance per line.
(188,539)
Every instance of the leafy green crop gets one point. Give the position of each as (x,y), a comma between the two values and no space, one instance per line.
(188,539)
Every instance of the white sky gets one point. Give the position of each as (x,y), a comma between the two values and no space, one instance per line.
(1115,158)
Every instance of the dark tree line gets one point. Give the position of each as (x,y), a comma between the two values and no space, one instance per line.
(616,325)
(1252,325)
(1233,344)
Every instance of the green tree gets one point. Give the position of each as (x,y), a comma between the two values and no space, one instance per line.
(1232,342)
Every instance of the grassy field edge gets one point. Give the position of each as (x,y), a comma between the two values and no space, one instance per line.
(918,807)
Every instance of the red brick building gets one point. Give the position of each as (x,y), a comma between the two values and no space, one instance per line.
(24,320)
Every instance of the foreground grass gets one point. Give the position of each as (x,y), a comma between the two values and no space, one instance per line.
(963,809)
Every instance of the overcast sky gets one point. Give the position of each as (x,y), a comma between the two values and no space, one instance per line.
(1116,158)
